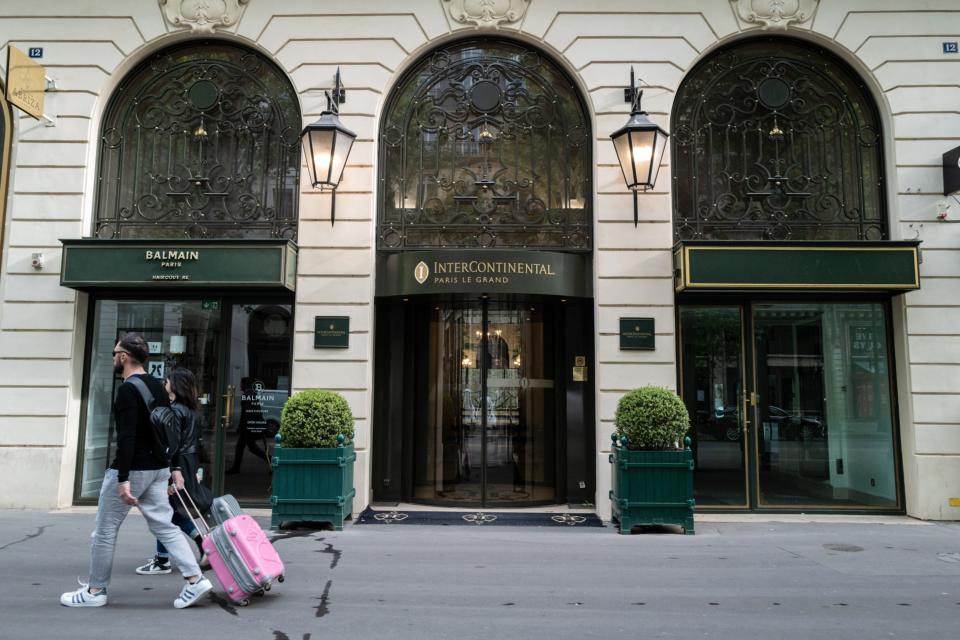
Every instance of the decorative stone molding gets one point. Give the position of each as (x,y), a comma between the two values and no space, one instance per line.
(486,13)
(775,14)
(203,16)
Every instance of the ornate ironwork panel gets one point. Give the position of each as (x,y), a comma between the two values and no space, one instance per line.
(200,141)
(776,139)
(485,144)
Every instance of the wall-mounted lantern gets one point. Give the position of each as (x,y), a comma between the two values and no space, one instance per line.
(327,143)
(639,145)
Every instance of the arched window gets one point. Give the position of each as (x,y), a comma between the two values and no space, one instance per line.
(776,139)
(201,140)
(485,144)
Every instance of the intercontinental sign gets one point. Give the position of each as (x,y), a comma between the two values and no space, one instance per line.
(484,272)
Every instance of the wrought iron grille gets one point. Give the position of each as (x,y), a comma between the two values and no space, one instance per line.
(200,141)
(776,140)
(485,144)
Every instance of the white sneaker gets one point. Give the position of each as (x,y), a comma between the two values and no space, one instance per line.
(83,598)
(156,567)
(192,592)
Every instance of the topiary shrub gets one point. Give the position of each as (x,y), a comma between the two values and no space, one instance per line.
(652,418)
(313,419)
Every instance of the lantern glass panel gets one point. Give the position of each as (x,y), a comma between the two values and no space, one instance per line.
(621,145)
(318,154)
(659,147)
(641,153)
(341,150)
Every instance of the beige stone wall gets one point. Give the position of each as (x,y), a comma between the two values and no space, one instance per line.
(90,44)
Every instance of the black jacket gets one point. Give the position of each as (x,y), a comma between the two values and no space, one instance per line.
(190,433)
(134,438)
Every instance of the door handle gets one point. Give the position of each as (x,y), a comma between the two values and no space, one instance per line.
(227,418)
(748,401)
(746,413)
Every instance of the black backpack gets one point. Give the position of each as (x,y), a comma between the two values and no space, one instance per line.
(165,421)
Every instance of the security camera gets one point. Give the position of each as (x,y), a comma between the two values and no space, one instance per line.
(36,261)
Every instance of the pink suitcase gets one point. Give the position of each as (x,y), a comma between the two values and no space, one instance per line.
(243,558)
(240,554)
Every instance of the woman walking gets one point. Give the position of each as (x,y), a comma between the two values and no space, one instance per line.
(182,389)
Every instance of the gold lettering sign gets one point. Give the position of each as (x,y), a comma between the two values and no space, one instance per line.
(26,82)
(480,271)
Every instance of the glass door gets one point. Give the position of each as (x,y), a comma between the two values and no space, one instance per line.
(520,411)
(487,433)
(712,386)
(179,333)
(256,386)
(823,378)
(811,425)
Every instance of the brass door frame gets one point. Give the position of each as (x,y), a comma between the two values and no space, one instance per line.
(747,305)
(894,421)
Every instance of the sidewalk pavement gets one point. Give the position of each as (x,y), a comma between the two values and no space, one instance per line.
(783,578)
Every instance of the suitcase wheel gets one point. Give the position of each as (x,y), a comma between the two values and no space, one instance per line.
(279,578)
(244,603)
(266,587)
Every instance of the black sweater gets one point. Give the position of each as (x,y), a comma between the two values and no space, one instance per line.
(134,439)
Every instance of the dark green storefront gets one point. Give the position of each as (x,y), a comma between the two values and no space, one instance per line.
(221,308)
(786,367)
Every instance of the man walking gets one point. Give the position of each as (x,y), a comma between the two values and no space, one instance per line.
(139,477)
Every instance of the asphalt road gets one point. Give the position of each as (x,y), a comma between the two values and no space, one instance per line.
(731,580)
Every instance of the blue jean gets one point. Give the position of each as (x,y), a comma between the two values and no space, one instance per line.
(185,525)
(150,487)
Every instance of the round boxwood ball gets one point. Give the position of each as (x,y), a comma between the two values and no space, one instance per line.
(313,419)
(652,418)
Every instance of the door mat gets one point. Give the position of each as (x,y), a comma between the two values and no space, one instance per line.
(478,518)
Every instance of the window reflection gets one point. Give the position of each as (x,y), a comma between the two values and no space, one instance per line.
(826,433)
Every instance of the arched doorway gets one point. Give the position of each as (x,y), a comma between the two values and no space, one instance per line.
(484,294)
(197,182)
(778,167)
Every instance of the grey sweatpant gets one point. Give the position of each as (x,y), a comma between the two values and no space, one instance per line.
(150,488)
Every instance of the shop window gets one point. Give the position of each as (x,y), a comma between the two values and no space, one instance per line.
(200,141)
(826,420)
(485,144)
(776,139)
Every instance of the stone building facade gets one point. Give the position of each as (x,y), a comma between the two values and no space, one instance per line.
(90,50)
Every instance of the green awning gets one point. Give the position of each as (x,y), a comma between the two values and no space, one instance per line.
(797,265)
(91,264)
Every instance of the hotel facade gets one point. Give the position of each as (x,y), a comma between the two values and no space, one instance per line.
(482,285)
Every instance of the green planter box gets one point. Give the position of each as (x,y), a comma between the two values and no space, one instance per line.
(312,485)
(652,487)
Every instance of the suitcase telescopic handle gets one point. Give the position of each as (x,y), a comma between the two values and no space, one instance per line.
(205,528)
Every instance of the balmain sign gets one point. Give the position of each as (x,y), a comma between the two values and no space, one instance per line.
(484,272)
(104,264)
